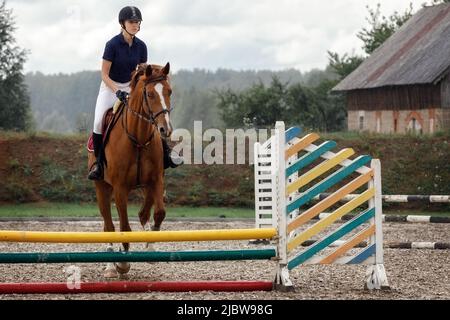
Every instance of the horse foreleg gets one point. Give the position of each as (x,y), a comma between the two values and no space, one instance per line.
(144,213)
(121,199)
(104,195)
(160,211)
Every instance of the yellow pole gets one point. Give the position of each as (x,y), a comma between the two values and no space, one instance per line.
(118,237)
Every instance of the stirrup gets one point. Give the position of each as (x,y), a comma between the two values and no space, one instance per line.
(96,172)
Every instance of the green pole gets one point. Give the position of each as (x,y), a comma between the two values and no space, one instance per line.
(151,256)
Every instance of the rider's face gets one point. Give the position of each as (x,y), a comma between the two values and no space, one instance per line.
(132,26)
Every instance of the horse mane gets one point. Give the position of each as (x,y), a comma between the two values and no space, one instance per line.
(136,75)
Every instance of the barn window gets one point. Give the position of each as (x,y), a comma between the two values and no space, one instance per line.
(361,122)
(414,126)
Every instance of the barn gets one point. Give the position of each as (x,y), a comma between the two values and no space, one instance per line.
(404,86)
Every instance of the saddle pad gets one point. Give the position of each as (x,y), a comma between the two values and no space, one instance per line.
(108,117)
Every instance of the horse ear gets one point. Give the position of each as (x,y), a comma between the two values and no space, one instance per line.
(148,71)
(166,69)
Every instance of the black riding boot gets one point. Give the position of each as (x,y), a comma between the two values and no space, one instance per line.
(96,172)
(171,159)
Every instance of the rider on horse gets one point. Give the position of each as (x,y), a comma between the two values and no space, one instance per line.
(123,53)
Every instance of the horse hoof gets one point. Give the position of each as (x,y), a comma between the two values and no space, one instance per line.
(110,273)
(122,267)
(149,247)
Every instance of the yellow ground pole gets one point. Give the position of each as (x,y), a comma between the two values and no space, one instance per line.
(118,237)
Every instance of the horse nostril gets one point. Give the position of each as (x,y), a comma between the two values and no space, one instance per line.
(162,130)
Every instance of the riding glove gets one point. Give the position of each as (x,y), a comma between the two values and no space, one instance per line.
(122,95)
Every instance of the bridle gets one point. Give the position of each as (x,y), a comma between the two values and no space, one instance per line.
(154,116)
(149,117)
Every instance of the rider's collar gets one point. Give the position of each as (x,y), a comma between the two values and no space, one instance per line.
(122,39)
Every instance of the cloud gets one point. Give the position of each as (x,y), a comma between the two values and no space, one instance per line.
(69,36)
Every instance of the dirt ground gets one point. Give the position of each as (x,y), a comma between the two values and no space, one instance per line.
(412,274)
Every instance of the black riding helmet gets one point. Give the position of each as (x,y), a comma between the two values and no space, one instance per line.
(129,13)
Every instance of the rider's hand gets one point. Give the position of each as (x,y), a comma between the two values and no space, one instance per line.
(122,95)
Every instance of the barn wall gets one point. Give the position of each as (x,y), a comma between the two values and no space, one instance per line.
(445,98)
(383,121)
(413,97)
(446,118)
(445,92)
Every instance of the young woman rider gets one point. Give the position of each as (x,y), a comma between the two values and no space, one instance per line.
(123,53)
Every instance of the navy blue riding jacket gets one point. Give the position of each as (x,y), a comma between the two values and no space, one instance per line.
(124,57)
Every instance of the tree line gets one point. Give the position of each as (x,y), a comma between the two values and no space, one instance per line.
(221,98)
(65,103)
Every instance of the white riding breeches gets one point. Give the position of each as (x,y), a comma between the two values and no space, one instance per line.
(105,100)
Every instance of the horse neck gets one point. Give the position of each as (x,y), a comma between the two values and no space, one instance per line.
(140,129)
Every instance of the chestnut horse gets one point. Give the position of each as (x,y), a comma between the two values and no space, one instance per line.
(135,155)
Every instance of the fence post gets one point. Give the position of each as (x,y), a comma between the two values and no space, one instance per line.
(376,274)
(282,280)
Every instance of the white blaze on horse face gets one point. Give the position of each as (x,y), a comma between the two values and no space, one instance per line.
(159,88)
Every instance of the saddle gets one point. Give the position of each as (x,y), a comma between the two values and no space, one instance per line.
(110,119)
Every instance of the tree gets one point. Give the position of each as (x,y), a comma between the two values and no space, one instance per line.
(379,30)
(259,106)
(15,111)
(435,2)
(329,109)
(344,65)
(381,27)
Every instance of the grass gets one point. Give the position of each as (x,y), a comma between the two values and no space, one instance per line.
(53,210)
(57,210)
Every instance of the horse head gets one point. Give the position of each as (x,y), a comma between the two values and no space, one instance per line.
(150,96)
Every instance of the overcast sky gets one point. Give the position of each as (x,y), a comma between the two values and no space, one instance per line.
(69,36)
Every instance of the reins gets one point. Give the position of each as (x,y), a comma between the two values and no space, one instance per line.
(150,118)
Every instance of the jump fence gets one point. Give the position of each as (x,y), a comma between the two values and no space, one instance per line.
(284,184)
